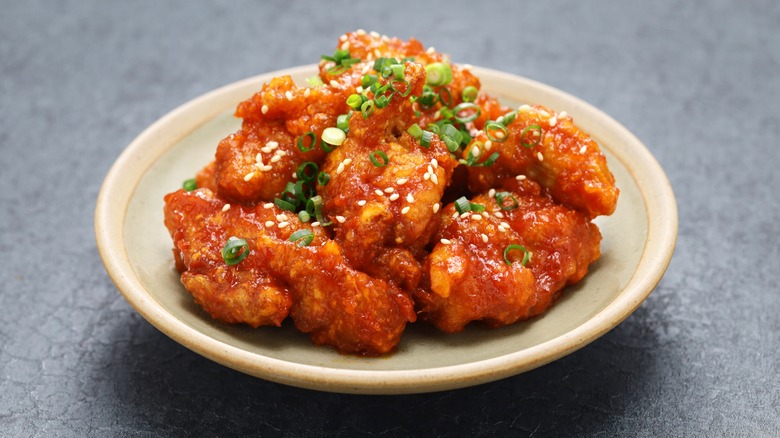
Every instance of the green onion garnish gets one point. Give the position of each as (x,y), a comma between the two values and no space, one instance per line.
(323,178)
(342,61)
(473,111)
(502,197)
(381,155)
(314,208)
(235,250)
(334,136)
(382,101)
(190,185)
(415,131)
(284,205)
(302,237)
(312,142)
(448,101)
(307,171)
(406,90)
(304,216)
(451,137)
(512,247)
(534,128)
(428,98)
(315,81)
(368,80)
(492,130)
(462,205)
(342,122)
(469,94)
(367,108)
(354,101)
(508,118)
(438,74)
(477,208)
(425,139)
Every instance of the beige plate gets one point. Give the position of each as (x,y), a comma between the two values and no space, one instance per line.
(136,249)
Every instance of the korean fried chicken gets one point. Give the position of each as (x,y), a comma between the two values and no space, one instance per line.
(390,189)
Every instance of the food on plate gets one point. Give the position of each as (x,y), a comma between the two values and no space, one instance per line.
(387,190)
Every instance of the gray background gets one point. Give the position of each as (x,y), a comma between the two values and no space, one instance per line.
(697,82)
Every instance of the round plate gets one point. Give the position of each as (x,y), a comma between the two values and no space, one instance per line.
(638,242)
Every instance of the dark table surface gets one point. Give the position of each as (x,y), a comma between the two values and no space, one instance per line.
(698,83)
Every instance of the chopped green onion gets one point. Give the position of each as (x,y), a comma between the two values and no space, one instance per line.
(299,192)
(462,205)
(382,101)
(477,208)
(501,197)
(415,131)
(471,157)
(314,208)
(425,139)
(326,147)
(342,122)
(534,128)
(491,159)
(315,81)
(381,155)
(312,142)
(368,80)
(190,185)
(469,94)
(438,74)
(492,130)
(311,174)
(304,216)
(398,71)
(234,251)
(407,89)
(512,247)
(323,178)
(407,59)
(342,61)
(284,205)
(367,108)
(334,136)
(448,100)
(302,237)
(451,137)
(428,98)
(472,109)
(508,118)
(354,101)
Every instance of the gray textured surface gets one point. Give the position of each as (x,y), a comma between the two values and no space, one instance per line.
(698,83)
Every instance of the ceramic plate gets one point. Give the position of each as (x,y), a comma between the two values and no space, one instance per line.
(136,249)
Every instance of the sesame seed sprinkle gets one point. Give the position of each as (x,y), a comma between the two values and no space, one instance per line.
(492,193)
(288,95)
(374,34)
(389,190)
(394,196)
(401,181)
(488,145)
(563,115)
(268,205)
(544,114)
(430,169)
(259,157)
(540,156)
(485,214)
(498,214)
(272,144)
(340,168)
(430,50)
(553,121)
(505,225)
(249,176)
(283,224)
(281,217)
(405,210)
(315,224)
(378,192)
(362,202)
(269,224)
(584,149)
(359,89)
(347,161)
(465,215)
(264,109)
(476,217)
(484,238)
(341,219)
(360,32)
(276,158)
(266,168)
(226,207)
(436,207)
(343,38)
(434,178)
(520,177)
(345,46)
(334,83)
(435,163)
(307,92)
(445,241)
(409,198)
(524,108)
(455,215)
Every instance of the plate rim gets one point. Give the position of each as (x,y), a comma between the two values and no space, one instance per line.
(651,181)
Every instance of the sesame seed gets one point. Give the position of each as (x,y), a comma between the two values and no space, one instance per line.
(347,161)
(385,38)
(226,207)
(405,210)
(524,108)
(476,217)
(436,207)
(584,149)
(553,121)
(374,34)
(430,169)
(333,83)
(498,214)
(281,217)
(544,114)
(280,153)
(272,144)
(264,109)
(394,196)
(315,224)
(340,168)
(341,219)
(430,50)
(343,38)
(466,66)
(445,241)
(465,215)
(401,181)
(362,202)
(435,163)
(294,175)
(307,92)
(288,95)
(359,89)
(378,192)
(259,158)
(492,193)
(484,238)
(475,151)
(505,225)
(520,177)
(389,190)
(455,215)
(345,46)
(377,53)
(283,224)
(249,176)
(265,150)
(266,168)
(488,145)
(434,178)
(409,198)
(268,205)
(540,156)
(563,115)
(502,229)
(427,176)
(269,224)
(276,158)
(360,32)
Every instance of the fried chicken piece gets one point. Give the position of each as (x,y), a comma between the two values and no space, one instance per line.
(337,305)
(200,225)
(388,208)
(548,148)
(466,277)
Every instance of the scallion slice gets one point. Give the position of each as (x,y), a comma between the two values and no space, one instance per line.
(503,197)
(377,162)
(537,130)
(315,81)
(234,251)
(323,178)
(516,247)
(508,118)
(368,80)
(354,101)
(438,74)
(415,131)
(462,205)
(469,94)
(284,205)
(425,139)
(496,132)
(334,136)
(190,185)
(302,237)
(307,171)
(342,122)
(304,216)
(472,112)
(367,108)
(302,144)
